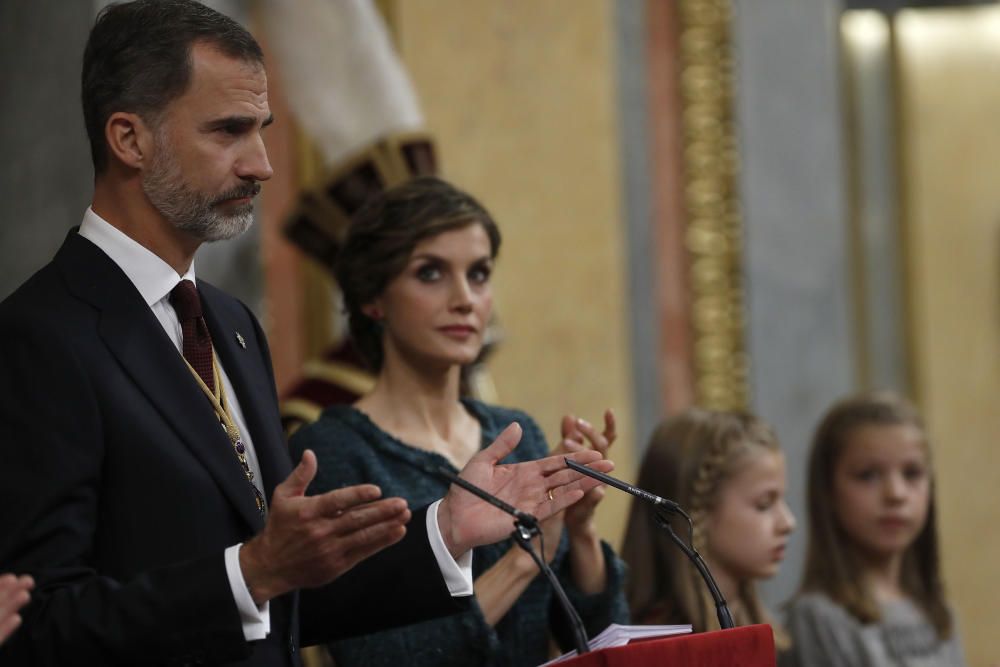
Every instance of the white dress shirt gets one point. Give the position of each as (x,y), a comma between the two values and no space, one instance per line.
(154,279)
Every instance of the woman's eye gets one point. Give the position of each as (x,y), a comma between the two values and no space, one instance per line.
(867,475)
(428,273)
(766,502)
(914,473)
(479,275)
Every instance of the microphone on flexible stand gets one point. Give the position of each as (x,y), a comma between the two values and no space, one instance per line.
(525,527)
(665,507)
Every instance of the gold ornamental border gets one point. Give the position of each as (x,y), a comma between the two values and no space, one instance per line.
(714,232)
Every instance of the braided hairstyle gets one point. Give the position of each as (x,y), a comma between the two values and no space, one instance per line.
(689,458)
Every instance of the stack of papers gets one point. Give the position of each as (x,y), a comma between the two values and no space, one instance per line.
(619,635)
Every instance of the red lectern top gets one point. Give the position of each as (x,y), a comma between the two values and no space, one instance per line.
(749,646)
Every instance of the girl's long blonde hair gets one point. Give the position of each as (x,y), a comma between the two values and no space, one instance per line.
(688,459)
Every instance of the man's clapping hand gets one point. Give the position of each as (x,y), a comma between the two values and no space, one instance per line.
(309,541)
(14,594)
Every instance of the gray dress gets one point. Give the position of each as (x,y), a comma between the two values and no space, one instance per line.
(824,634)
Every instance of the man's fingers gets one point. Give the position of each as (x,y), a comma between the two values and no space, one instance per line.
(298,481)
(359,519)
(333,503)
(14,592)
(372,540)
(502,446)
(8,625)
(7,582)
(13,599)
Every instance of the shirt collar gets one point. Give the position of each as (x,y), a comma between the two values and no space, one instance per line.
(153,277)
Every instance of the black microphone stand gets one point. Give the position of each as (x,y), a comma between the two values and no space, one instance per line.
(664,508)
(526,527)
(721,608)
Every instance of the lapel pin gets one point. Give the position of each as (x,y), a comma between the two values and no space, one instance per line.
(240,340)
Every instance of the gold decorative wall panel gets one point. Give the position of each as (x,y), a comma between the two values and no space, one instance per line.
(714,236)
(947,63)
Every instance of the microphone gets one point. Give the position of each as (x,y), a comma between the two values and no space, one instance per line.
(525,527)
(669,506)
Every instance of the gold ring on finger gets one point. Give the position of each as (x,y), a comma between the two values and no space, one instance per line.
(551,497)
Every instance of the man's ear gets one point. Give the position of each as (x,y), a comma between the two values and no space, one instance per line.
(130,139)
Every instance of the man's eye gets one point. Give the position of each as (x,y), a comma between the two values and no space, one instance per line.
(232,129)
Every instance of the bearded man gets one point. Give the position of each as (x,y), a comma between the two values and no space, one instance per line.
(144,481)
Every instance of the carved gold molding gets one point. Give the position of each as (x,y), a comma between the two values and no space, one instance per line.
(714,235)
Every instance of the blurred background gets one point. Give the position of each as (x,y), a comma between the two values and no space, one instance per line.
(759,204)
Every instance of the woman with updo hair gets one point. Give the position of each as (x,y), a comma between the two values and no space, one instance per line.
(415,273)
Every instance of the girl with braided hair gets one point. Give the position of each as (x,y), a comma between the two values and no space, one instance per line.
(871,592)
(727,471)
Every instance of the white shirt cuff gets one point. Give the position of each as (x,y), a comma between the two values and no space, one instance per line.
(256,620)
(457,573)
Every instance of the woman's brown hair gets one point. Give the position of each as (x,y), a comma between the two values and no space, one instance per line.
(832,563)
(382,237)
(688,459)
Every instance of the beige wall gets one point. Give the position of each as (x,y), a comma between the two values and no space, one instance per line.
(951,104)
(520,95)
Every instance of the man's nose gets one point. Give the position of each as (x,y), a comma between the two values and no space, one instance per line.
(254,164)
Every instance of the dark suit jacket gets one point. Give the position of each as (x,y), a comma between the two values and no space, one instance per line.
(119,491)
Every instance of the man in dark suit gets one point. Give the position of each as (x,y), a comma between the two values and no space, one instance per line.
(141,453)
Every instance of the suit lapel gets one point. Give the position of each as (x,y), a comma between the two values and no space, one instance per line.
(136,338)
(250,380)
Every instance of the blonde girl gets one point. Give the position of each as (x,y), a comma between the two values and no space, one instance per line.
(871,593)
(727,470)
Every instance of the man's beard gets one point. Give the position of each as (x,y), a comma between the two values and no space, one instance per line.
(192,211)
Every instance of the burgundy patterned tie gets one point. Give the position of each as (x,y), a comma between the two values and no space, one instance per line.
(197,340)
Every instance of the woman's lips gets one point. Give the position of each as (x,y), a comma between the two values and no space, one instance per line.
(461,331)
(893,522)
